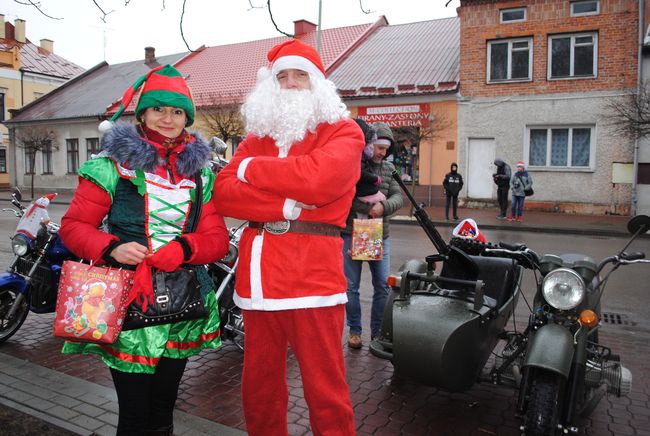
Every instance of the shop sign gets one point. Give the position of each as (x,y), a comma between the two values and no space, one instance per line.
(408,115)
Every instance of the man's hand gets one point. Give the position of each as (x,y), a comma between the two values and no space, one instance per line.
(376,211)
(131,253)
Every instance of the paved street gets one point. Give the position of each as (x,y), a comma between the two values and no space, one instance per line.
(383,403)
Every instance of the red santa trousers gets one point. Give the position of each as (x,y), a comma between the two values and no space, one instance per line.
(315,338)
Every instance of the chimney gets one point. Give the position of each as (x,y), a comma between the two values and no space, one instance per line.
(149,55)
(19,33)
(301,27)
(2,26)
(48,45)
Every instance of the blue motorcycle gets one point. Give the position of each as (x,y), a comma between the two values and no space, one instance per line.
(32,279)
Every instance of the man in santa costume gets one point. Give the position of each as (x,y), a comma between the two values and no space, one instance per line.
(293,178)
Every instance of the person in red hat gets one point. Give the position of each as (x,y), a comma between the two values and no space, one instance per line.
(293,178)
(144,182)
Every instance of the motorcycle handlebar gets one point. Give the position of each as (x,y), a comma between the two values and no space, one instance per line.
(632,256)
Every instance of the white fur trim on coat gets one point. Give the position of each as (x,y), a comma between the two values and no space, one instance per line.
(241,169)
(290,211)
(271,304)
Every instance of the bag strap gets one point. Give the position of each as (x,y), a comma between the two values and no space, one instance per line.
(197,206)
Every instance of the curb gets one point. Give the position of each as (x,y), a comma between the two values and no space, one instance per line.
(404,220)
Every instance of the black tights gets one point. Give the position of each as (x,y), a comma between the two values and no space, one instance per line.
(146,401)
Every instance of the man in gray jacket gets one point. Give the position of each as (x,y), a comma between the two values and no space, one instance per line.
(379,269)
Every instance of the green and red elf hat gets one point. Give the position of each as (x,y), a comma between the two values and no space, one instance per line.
(161,86)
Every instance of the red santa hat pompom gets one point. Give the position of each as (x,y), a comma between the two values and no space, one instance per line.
(468,229)
(295,54)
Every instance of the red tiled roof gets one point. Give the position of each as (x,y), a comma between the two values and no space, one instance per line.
(227,73)
(414,58)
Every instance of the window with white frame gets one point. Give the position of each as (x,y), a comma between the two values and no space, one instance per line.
(561,146)
(573,56)
(92,147)
(510,60)
(72,148)
(46,152)
(513,15)
(30,160)
(585,7)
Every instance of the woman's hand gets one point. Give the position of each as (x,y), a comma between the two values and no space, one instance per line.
(376,211)
(131,253)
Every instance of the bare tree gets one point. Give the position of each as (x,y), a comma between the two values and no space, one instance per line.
(221,116)
(630,115)
(414,136)
(33,140)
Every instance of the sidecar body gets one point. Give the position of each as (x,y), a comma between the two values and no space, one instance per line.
(439,329)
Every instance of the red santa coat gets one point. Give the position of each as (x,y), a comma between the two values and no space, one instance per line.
(292,270)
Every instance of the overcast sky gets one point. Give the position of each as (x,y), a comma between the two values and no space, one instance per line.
(81,36)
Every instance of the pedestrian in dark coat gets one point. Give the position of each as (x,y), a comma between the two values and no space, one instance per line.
(502,180)
(453,183)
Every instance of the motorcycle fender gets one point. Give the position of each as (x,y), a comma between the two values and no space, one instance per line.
(11,279)
(551,348)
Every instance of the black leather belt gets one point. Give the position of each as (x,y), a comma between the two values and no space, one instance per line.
(282,227)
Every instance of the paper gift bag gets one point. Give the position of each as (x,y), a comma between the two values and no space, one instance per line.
(91,303)
(367,239)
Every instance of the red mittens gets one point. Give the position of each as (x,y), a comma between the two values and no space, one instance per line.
(169,258)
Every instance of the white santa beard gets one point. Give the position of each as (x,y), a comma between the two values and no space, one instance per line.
(286,115)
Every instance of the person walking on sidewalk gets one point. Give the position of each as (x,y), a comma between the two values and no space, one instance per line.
(452,184)
(502,180)
(379,269)
(143,181)
(520,182)
(293,178)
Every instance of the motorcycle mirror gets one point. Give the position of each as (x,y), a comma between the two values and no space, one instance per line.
(218,146)
(16,193)
(639,224)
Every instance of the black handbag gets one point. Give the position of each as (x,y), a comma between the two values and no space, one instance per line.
(177,294)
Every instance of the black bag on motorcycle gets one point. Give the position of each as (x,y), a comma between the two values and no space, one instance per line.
(177,294)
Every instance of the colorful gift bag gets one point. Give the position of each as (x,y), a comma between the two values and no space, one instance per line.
(91,303)
(367,239)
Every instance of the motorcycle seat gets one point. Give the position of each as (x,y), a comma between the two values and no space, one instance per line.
(497,273)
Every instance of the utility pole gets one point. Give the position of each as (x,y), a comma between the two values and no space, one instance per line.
(320,10)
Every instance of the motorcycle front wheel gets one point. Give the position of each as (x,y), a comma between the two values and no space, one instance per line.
(10,326)
(543,408)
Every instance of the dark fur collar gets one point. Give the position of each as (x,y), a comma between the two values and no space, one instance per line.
(123,144)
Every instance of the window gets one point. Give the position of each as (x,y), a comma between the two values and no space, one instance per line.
(560,147)
(573,55)
(585,7)
(92,147)
(513,15)
(46,151)
(2,106)
(3,160)
(510,60)
(72,146)
(30,160)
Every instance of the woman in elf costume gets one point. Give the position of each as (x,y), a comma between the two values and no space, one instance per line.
(143,181)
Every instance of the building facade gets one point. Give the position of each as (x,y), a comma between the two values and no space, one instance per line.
(27,72)
(536,79)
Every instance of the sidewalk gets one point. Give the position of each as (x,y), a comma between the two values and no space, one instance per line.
(77,405)
(533,221)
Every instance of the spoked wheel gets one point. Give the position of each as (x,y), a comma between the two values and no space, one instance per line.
(543,410)
(9,326)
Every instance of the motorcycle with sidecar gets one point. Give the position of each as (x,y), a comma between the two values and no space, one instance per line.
(440,328)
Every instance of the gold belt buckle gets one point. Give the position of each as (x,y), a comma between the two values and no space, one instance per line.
(277,227)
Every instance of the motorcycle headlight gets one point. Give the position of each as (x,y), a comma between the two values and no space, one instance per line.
(563,289)
(20,244)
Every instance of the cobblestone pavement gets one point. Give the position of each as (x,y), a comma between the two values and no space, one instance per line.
(383,404)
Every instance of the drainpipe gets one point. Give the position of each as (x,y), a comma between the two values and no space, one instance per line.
(639,83)
(320,10)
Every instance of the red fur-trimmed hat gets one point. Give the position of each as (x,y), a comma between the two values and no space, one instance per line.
(297,55)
